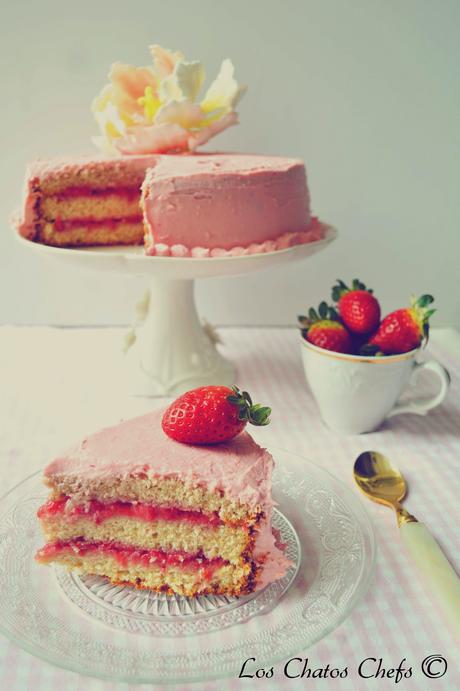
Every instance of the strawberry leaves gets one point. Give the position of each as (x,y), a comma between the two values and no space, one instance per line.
(325,311)
(341,288)
(248,411)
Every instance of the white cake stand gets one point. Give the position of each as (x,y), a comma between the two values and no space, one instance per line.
(173,352)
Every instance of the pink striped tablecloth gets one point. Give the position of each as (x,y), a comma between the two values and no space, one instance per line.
(58,384)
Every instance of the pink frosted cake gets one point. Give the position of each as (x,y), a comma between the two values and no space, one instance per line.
(137,507)
(198,205)
(152,121)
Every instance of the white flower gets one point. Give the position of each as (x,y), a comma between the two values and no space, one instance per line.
(156,108)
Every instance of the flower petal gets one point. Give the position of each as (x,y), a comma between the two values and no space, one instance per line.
(153,139)
(184,113)
(109,121)
(224,92)
(100,102)
(202,136)
(128,85)
(190,78)
(169,89)
(164,60)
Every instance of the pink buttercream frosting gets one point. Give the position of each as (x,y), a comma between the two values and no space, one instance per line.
(240,468)
(231,204)
(314,232)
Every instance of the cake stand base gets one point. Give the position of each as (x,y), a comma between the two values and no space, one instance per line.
(172,352)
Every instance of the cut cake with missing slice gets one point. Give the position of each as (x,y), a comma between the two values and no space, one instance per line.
(200,205)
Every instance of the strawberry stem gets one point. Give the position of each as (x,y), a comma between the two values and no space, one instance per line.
(254,413)
(325,311)
(422,314)
(342,289)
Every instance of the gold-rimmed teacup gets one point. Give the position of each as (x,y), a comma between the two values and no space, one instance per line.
(356,393)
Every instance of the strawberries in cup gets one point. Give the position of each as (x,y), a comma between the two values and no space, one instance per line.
(353,324)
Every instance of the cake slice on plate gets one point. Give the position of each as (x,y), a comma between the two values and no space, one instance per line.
(134,505)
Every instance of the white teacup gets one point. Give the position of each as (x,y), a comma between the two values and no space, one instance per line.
(355,393)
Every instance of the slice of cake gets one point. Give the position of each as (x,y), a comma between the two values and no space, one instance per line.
(133,505)
(85,201)
(226,204)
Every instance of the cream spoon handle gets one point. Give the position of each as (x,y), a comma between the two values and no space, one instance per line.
(439,576)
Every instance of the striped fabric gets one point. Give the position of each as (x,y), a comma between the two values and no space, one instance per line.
(58,384)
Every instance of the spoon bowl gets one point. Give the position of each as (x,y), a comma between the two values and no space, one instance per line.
(378,479)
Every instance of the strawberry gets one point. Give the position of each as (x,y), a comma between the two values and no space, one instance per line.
(324,330)
(212,414)
(402,330)
(357,306)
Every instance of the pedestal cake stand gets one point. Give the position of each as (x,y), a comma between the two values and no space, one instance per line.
(172,352)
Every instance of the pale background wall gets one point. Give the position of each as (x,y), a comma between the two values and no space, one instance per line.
(366,92)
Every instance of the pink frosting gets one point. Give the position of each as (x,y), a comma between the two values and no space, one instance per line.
(26,222)
(240,468)
(226,202)
(267,549)
(179,251)
(200,252)
(119,169)
(314,232)
(161,250)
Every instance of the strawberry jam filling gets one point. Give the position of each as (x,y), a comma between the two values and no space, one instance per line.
(128,192)
(98,512)
(133,556)
(70,223)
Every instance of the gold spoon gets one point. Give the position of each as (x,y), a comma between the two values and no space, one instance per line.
(383,483)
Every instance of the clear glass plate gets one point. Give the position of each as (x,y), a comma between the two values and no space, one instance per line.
(93,628)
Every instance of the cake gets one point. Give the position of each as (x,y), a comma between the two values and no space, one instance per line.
(139,508)
(201,205)
(193,205)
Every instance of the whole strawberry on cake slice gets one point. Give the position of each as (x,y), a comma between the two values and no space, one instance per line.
(177,501)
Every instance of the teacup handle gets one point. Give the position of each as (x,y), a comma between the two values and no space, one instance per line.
(422,406)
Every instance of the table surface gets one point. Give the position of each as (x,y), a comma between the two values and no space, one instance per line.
(59,384)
